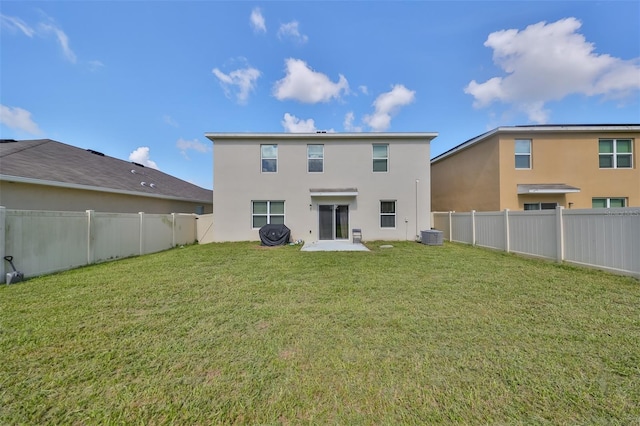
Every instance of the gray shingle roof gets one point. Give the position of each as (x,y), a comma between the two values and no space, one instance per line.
(48,160)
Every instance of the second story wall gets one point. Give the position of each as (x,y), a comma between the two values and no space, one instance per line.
(571,158)
(467,180)
(347,163)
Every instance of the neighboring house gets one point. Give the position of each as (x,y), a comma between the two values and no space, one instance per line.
(49,175)
(540,167)
(321,185)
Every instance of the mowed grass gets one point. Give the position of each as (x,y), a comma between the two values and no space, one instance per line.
(239,334)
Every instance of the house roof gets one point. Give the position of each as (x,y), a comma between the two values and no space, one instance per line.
(541,128)
(322,136)
(47,162)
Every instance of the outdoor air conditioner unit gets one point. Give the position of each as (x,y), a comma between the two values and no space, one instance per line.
(432,237)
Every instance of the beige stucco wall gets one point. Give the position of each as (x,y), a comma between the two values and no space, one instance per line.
(24,196)
(483,176)
(467,180)
(569,158)
(238,181)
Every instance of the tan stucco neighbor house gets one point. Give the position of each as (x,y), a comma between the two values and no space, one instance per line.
(47,175)
(540,167)
(321,185)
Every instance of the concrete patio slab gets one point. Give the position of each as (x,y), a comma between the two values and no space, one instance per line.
(332,245)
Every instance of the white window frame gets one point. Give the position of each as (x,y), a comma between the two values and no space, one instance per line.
(608,201)
(387,214)
(263,157)
(614,154)
(522,154)
(378,158)
(540,206)
(310,157)
(268,214)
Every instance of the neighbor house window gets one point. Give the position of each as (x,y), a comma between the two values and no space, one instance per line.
(387,214)
(607,203)
(269,158)
(615,153)
(267,212)
(315,158)
(380,158)
(540,206)
(523,153)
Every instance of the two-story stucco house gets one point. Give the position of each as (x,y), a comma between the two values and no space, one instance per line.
(540,167)
(321,185)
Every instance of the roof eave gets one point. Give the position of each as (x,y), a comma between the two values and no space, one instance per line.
(331,136)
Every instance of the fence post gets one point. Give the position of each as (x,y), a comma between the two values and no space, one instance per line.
(473,227)
(3,227)
(559,234)
(141,232)
(173,230)
(507,238)
(91,250)
(450,227)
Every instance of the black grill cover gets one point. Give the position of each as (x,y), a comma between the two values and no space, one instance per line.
(274,235)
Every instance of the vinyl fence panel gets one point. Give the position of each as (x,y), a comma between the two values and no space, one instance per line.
(602,238)
(533,233)
(45,241)
(462,228)
(608,238)
(184,229)
(115,236)
(490,230)
(42,242)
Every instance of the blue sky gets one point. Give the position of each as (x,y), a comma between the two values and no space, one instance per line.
(143,81)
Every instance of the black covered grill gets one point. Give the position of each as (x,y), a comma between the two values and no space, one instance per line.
(274,235)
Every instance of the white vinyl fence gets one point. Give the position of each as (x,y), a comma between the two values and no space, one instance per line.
(42,242)
(607,239)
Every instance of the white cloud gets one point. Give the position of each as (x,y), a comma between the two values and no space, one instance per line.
(386,105)
(348,123)
(62,38)
(44,29)
(290,30)
(547,62)
(18,119)
(95,65)
(170,121)
(141,156)
(364,90)
(293,124)
(257,21)
(12,23)
(194,145)
(244,81)
(306,85)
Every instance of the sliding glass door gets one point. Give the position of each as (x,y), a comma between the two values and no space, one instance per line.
(333,222)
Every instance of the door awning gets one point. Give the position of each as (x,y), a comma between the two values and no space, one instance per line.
(334,192)
(546,188)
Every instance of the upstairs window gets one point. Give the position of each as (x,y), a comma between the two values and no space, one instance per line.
(387,214)
(269,158)
(380,157)
(607,203)
(267,212)
(615,153)
(523,153)
(315,158)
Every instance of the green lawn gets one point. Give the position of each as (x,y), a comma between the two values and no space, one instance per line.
(236,333)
